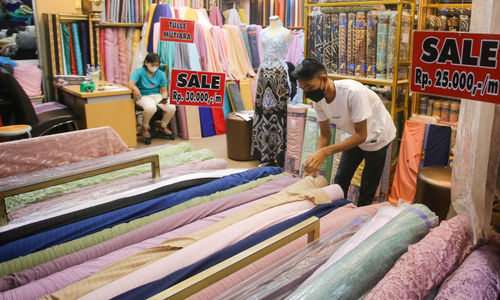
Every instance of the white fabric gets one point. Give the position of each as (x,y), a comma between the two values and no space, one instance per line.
(149,103)
(383,216)
(355,103)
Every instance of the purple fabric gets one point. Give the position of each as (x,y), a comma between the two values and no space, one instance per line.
(49,106)
(76,273)
(216,16)
(154,229)
(296,51)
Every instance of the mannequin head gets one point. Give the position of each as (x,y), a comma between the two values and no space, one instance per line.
(274,22)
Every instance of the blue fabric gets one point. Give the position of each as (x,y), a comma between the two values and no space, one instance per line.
(84,38)
(157,286)
(424,145)
(161,10)
(7,61)
(85,227)
(227,104)
(149,85)
(78,50)
(254,45)
(438,146)
(206,122)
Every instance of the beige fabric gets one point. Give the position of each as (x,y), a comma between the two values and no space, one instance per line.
(308,188)
(149,103)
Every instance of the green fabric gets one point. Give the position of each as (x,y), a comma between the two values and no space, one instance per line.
(244,34)
(66,48)
(40,257)
(362,268)
(169,156)
(166,51)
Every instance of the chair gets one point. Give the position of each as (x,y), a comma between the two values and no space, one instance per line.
(24,112)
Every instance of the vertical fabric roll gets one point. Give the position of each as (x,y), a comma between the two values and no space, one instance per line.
(427,263)
(72,51)
(464,23)
(227,109)
(422,109)
(319,23)
(436,108)
(296,121)
(351,43)
(334,33)
(430,105)
(244,34)
(327,43)
(310,36)
(85,49)
(254,46)
(360,270)
(382,40)
(391,44)
(66,48)
(342,44)
(454,110)
(438,146)
(77,48)
(246,94)
(360,46)
(371,45)
(336,157)
(136,39)
(110,43)
(123,56)
(161,10)
(116,57)
(103,54)
(445,111)
(235,96)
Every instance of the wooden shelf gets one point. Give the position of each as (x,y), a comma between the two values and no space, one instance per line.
(384,82)
(108,24)
(448,5)
(63,18)
(351,3)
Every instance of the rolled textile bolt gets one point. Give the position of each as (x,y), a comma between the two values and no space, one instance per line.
(429,107)
(445,111)
(436,109)
(334,191)
(454,110)
(423,105)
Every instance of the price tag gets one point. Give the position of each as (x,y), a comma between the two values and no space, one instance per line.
(456,64)
(197,88)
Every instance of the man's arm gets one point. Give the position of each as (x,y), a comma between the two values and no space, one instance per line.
(314,162)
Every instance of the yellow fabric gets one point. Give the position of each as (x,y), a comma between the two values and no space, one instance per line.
(246,94)
(308,188)
(243,18)
(136,39)
(356,179)
(237,57)
(151,12)
(226,15)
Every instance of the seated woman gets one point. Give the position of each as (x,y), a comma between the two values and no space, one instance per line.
(149,86)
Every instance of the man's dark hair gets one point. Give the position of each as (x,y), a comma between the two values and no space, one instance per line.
(308,69)
(151,58)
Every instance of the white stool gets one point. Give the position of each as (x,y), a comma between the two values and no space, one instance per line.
(15,130)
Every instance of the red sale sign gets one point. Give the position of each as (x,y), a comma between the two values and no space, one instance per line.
(197,88)
(174,30)
(456,64)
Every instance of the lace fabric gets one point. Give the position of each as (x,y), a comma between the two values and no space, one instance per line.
(275,49)
(428,262)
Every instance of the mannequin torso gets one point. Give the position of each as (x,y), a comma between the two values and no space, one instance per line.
(276,28)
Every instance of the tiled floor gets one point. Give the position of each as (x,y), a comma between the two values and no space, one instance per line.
(216,143)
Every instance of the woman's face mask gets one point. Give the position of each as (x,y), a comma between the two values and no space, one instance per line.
(317,94)
(151,68)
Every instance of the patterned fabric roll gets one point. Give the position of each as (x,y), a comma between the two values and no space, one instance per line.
(296,120)
(445,111)
(360,46)
(382,36)
(310,37)
(342,44)
(334,27)
(432,21)
(371,45)
(66,48)
(423,105)
(77,48)
(351,44)
(443,23)
(430,105)
(327,43)
(464,23)
(436,109)
(454,110)
(453,23)
(319,23)
(391,44)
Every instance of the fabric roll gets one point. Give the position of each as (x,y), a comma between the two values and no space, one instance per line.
(405,178)
(246,94)
(83,29)
(71,50)
(123,55)
(227,109)
(280,279)
(336,156)
(103,54)
(235,96)
(333,221)
(371,45)
(215,16)
(343,35)
(445,111)
(428,262)
(351,44)
(296,50)
(207,210)
(360,46)
(244,35)
(477,277)
(154,225)
(438,146)
(310,36)
(296,120)
(116,274)
(319,23)
(220,47)
(254,47)
(377,254)
(382,41)
(259,29)
(77,49)
(78,244)
(160,10)
(327,43)
(66,49)
(391,44)
(159,285)
(238,60)
(334,32)
(30,79)
(206,121)
(136,39)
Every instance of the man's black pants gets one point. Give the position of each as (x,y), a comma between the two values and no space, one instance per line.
(374,166)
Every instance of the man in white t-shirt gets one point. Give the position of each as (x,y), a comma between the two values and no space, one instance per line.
(356,110)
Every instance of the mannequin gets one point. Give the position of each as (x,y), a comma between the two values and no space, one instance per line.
(273,88)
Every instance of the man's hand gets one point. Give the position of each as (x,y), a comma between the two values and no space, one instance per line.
(314,162)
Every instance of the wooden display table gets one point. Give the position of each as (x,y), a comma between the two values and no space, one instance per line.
(109,105)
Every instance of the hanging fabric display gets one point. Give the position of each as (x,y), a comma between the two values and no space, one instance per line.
(371,45)
(382,40)
(343,44)
(360,46)
(351,43)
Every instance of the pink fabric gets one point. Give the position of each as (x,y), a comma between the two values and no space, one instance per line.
(116,57)
(329,223)
(220,49)
(76,273)
(123,55)
(259,29)
(478,277)
(110,43)
(427,263)
(137,20)
(28,155)
(296,51)
(296,122)
(201,249)
(201,45)
(334,191)
(30,79)
(149,231)
(216,16)
(100,190)
(181,111)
